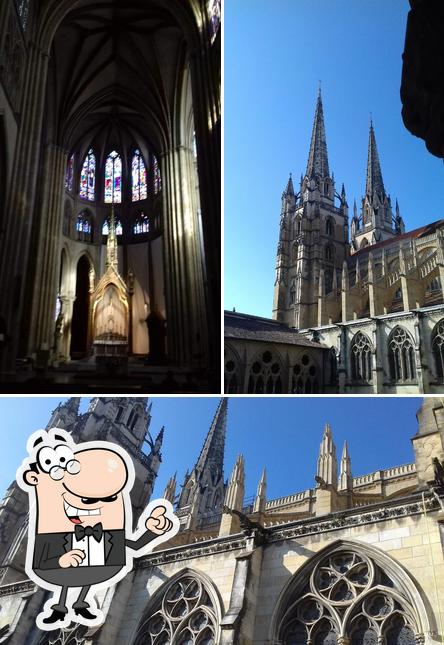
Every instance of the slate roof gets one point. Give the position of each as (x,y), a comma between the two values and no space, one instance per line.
(428,229)
(248,327)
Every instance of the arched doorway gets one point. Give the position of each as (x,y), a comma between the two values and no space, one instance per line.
(80,314)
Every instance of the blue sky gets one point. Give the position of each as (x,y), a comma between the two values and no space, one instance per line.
(282,434)
(275,54)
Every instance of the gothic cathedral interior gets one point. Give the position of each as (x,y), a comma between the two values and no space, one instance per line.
(110,184)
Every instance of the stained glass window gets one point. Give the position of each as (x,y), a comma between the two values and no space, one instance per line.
(194,146)
(88,176)
(113,178)
(69,173)
(141,224)
(23,10)
(157,177)
(105,227)
(214,14)
(84,227)
(138,172)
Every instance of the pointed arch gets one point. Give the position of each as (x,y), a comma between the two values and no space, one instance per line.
(438,348)
(232,371)
(401,355)
(88,176)
(361,350)
(336,585)
(113,178)
(187,605)
(305,375)
(138,177)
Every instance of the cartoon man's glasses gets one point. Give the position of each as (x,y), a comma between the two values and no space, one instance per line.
(57,461)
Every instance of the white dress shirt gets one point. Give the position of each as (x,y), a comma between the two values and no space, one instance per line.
(94,551)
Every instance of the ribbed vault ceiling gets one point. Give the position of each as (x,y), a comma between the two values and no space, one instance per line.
(114,73)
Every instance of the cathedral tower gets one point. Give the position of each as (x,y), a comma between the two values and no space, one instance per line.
(313,237)
(376,222)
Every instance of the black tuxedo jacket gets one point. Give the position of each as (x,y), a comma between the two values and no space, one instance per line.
(48,547)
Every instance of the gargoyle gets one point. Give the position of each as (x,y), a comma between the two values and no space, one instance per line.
(247,525)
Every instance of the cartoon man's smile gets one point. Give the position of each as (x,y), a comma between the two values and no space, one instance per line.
(79,513)
(74,514)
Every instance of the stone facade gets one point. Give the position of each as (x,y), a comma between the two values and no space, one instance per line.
(372,300)
(352,560)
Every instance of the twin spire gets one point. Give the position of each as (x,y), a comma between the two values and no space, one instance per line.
(317,164)
(327,470)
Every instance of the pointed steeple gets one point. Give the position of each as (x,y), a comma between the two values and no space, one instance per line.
(234,496)
(317,165)
(212,453)
(261,495)
(170,490)
(374,183)
(290,188)
(327,463)
(65,413)
(346,477)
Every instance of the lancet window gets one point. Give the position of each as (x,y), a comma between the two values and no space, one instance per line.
(156,176)
(88,176)
(232,376)
(106,225)
(214,15)
(138,174)
(401,356)
(141,224)
(69,177)
(347,594)
(23,12)
(185,614)
(361,358)
(84,227)
(113,178)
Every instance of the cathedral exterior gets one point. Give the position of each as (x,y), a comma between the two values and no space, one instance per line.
(360,313)
(354,560)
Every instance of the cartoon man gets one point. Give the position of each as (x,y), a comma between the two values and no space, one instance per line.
(80,522)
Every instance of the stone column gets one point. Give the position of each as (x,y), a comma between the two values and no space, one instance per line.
(187,323)
(47,266)
(20,205)
(67,302)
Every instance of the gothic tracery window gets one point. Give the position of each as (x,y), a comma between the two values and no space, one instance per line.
(347,593)
(156,176)
(69,177)
(214,16)
(84,227)
(185,615)
(23,12)
(433,294)
(141,224)
(88,176)
(138,173)
(361,358)
(438,348)
(401,356)
(113,178)
(106,225)
(231,373)
(265,374)
(305,378)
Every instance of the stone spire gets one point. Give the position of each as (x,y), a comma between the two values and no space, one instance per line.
(374,183)
(317,165)
(261,495)
(345,478)
(170,490)
(290,188)
(234,498)
(327,463)
(212,454)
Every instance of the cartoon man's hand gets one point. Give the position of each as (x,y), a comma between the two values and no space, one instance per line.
(158,522)
(72,558)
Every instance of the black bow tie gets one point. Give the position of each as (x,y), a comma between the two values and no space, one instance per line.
(86,531)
